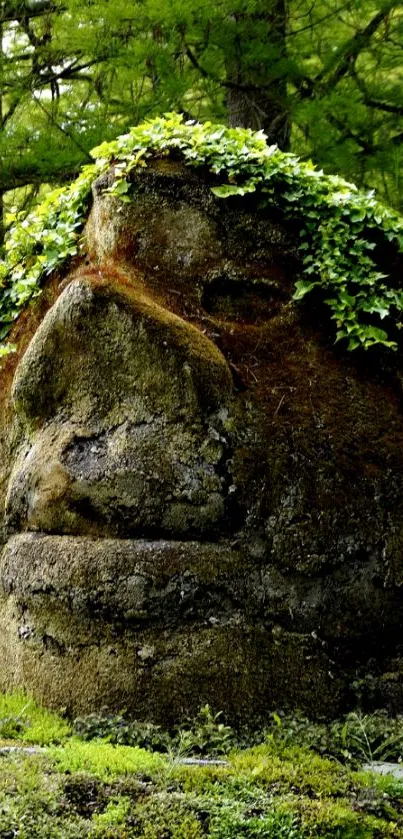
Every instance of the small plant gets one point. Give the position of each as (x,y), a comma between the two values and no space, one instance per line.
(13,721)
(207,734)
(355,739)
(277,790)
(231,823)
(12,728)
(114,815)
(371,737)
(117,729)
(166,816)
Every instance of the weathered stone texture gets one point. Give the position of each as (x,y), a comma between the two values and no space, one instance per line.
(203,498)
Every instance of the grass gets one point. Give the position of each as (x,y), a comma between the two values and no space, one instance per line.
(93,789)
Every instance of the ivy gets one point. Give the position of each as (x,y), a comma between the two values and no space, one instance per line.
(38,244)
(338,222)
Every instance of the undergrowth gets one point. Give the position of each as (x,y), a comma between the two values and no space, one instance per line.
(355,739)
(340,225)
(280,789)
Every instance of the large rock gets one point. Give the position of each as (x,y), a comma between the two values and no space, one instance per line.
(202,500)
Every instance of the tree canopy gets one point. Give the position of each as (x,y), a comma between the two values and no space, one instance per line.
(322,79)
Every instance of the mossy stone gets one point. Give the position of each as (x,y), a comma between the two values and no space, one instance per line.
(203,498)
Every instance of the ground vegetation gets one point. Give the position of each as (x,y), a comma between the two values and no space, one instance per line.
(55,782)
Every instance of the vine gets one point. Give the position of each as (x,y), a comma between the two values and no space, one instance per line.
(337,221)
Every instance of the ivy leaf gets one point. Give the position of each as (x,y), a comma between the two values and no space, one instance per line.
(340,334)
(302,288)
(346,298)
(353,343)
(374,335)
(120,187)
(376,308)
(226,190)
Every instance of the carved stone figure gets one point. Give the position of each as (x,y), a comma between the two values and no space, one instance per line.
(202,498)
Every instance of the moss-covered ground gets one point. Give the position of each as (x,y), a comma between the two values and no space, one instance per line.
(55,782)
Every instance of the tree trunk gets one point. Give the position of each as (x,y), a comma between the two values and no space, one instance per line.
(256,80)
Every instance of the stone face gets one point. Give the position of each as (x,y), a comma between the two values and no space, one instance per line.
(202,499)
(121,404)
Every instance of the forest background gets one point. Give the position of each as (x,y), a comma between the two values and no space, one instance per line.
(323,78)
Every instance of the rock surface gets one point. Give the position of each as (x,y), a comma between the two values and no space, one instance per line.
(202,499)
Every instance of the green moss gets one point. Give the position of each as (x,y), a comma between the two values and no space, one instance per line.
(99,791)
(167,815)
(31,802)
(114,816)
(103,760)
(338,820)
(22,718)
(295,767)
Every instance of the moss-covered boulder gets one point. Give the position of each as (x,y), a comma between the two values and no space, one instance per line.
(202,500)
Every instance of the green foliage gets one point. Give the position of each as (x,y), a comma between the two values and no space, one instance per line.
(38,244)
(356,738)
(293,766)
(36,802)
(324,819)
(370,737)
(72,71)
(117,729)
(277,790)
(204,735)
(113,816)
(166,815)
(232,822)
(338,224)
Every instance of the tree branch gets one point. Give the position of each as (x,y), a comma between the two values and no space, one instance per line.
(28,9)
(63,130)
(384,106)
(342,62)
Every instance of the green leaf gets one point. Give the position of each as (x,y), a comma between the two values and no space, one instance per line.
(226,190)
(346,298)
(353,343)
(120,187)
(302,288)
(6,349)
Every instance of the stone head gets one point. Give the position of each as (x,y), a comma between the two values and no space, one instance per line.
(202,499)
